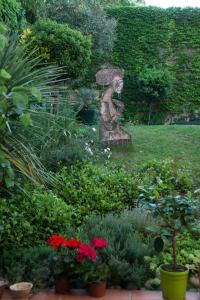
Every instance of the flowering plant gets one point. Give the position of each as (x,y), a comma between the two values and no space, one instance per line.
(74,258)
(96,270)
(63,262)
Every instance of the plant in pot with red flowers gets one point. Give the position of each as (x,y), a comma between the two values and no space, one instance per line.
(94,269)
(63,262)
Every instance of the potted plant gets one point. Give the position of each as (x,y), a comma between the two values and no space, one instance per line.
(96,271)
(63,262)
(3,285)
(21,290)
(174,214)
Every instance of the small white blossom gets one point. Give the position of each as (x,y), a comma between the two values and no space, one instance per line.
(94,129)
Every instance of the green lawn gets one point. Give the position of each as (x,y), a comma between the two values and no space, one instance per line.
(160,142)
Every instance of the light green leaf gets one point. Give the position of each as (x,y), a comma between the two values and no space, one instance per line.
(26,119)
(3,89)
(4,74)
(36,93)
(20,99)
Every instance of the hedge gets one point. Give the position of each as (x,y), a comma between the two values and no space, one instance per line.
(150,36)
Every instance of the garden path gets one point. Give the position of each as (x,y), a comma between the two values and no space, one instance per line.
(110,295)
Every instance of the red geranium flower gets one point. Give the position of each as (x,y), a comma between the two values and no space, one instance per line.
(73,244)
(99,243)
(55,241)
(87,251)
(79,258)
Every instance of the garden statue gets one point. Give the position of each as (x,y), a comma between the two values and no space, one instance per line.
(111,134)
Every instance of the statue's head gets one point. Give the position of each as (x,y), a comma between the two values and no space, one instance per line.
(111,77)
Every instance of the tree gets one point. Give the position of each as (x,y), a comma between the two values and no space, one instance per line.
(89,17)
(155,85)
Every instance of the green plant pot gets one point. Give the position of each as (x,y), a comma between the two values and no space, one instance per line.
(173,284)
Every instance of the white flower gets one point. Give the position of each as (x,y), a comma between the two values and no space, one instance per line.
(88,149)
(94,129)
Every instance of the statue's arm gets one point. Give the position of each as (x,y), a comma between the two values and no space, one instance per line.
(119,104)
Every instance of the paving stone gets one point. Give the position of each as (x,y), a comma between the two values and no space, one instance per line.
(46,296)
(151,295)
(117,295)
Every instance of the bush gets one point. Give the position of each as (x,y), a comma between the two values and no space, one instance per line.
(29,264)
(96,188)
(59,44)
(160,178)
(89,17)
(155,85)
(127,247)
(30,218)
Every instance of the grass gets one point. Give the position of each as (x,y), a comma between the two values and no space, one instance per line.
(180,142)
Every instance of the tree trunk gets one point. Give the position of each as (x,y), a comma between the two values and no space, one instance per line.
(149,117)
(174,249)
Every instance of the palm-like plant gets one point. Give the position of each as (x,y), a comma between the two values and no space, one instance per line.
(24,81)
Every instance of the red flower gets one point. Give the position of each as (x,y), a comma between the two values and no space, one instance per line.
(79,258)
(55,241)
(73,244)
(99,243)
(87,251)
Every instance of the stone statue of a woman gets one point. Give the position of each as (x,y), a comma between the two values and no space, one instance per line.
(111,134)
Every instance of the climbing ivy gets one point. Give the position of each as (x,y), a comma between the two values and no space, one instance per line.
(154,37)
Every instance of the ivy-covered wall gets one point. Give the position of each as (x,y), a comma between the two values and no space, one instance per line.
(153,37)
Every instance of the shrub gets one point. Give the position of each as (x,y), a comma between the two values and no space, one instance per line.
(30,218)
(59,44)
(89,17)
(29,264)
(127,247)
(96,188)
(155,85)
(160,178)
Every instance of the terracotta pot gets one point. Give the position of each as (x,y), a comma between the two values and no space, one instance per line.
(62,286)
(3,284)
(98,289)
(21,290)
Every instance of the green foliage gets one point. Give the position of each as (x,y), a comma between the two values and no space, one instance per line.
(113,3)
(9,13)
(174,215)
(126,246)
(96,188)
(32,8)
(150,36)
(24,82)
(28,264)
(59,44)
(154,84)
(160,178)
(188,253)
(30,218)
(87,16)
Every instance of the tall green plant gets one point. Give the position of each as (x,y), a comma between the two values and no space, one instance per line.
(174,215)
(155,85)
(24,82)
